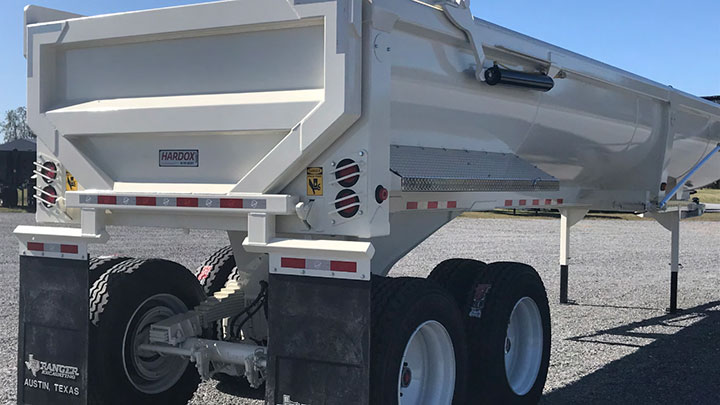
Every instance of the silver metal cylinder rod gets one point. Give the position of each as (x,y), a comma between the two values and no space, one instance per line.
(219,351)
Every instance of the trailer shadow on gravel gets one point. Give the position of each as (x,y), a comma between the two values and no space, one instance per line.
(676,361)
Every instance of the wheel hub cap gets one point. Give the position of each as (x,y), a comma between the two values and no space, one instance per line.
(523,346)
(150,372)
(427,372)
(406,376)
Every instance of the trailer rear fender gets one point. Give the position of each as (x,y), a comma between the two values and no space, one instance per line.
(344,260)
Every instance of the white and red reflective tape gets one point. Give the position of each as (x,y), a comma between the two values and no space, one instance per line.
(533,203)
(173,202)
(338,267)
(430,205)
(57,250)
(318,265)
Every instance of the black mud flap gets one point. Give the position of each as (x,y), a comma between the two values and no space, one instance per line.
(319,341)
(53,332)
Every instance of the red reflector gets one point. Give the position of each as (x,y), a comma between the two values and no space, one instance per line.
(347,267)
(523,202)
(231,203)
(292,263)
(205,273)
(187,202)
(536,202)
(107,199)
(508,203)
(38,247)
(452,204)
(145,201)
(412,205)
(560,200)
(69,249)
(432,205)
(50,170)
(548,202)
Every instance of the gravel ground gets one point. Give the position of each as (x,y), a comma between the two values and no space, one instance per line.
(615,344)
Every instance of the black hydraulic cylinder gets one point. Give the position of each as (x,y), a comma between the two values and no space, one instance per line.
(539,82)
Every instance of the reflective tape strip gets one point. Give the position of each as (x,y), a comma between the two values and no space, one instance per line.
(178,202)
(126,200)
(292,263)
(346,267)
(106,199)
(548,202)
(230,203)
(318,264)
(35,246)
(148,201)
(187,202)
(430,205)
(52,248)
(72,249)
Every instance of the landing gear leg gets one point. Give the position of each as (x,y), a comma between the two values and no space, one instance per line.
(568,218)
(671,221)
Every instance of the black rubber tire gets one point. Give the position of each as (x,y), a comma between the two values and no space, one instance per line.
(398,307)
(457,276)
(489,303)
(114,299)
(101,264)
(214,272)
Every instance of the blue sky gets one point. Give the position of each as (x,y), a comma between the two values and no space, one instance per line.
(676,43)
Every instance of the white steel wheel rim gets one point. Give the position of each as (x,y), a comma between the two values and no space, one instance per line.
(523,346)
(427,369)
(149,372)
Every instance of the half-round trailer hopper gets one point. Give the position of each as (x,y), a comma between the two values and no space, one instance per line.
(328,138)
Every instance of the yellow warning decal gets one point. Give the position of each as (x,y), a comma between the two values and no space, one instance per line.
(70,182)
(314,181)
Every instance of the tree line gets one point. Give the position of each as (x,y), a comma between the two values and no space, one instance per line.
(14,125)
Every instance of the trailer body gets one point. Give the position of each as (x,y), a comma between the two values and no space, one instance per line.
(328,138)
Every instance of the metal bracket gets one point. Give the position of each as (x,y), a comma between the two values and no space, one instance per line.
(458,12)
(336,259)
(680,184)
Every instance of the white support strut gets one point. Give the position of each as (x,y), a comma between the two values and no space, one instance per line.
(568,217)
(670,220)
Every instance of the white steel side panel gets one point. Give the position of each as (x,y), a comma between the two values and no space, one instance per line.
(233,80)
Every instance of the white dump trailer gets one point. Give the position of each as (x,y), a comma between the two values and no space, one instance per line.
(328,138)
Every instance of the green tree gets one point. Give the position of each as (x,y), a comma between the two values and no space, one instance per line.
(15,126)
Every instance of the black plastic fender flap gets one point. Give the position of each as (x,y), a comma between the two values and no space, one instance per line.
(53,331)
(319,341)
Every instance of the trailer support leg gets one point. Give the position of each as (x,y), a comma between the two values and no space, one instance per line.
(568,218)
(671,221)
